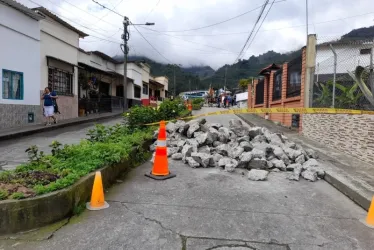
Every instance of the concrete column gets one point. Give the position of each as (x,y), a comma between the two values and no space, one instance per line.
(310,63)
(249,103)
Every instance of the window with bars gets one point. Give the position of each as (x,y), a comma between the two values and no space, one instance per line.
(277,85)
(145,89)
(136,91)
(60,81)
(12,85)
(294,77)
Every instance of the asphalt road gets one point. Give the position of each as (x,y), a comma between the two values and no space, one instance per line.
(12,152)
(205,209)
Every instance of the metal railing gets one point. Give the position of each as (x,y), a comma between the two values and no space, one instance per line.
(101,105)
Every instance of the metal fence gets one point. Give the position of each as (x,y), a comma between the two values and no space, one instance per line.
(101,105)
(338,81)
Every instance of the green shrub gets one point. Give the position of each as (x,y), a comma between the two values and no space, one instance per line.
(170,109)
(196,106)
(17,196)
(139,115)
(3,194)
(198,101)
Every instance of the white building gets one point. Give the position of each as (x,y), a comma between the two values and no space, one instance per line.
(59,61)
(19,65)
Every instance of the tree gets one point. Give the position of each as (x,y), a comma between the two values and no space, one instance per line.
(243,83)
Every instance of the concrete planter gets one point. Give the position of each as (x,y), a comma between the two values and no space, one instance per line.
(23,215)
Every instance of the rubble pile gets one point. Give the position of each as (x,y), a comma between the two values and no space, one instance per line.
(201,144)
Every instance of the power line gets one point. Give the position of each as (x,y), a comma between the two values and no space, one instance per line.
(253,29)
(107,8)
(150,44)
(189,41)
(281,28)
(152,10)
(109,11)
(259,26)
(214,24)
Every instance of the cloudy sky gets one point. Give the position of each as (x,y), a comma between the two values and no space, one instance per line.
(179,34)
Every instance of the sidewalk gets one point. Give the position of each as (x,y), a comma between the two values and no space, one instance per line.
(349,175)
(17,132)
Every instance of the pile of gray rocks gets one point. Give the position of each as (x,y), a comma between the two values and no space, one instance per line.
(201,144)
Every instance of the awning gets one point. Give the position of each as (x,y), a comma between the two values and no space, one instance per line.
(155,83)
(61,64)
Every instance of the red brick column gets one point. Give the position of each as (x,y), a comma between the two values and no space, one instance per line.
(266,91)
(271,86)
(255,82)
(302,91)
(249,102)
(284,86)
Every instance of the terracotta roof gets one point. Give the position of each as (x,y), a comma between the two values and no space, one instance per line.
(22,8)
(269,68)
(44,11)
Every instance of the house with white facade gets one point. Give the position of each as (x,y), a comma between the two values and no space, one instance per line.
(59,61)
(19,65)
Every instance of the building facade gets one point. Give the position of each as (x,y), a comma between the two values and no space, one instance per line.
(19,65)
(59,61)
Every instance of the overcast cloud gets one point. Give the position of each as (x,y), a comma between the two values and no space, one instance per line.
(195,47)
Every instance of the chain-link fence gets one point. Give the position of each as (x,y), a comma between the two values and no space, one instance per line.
(344,73)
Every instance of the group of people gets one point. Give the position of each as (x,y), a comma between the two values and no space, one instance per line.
(226,101)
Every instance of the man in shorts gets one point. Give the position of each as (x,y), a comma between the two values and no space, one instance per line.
(49,110)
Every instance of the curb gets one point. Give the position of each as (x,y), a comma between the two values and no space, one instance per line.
(341,186)
(18,134)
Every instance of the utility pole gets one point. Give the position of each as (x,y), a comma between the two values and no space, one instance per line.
(189,82)
(125,37)
(174,80)
(224,87)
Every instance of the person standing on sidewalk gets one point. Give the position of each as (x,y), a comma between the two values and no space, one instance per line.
(49,111)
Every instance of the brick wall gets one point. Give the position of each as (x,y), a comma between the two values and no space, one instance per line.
(352,134)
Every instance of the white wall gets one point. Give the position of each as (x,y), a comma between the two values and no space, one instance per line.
(147,86)
(21,53)
(59,42)
(348,58)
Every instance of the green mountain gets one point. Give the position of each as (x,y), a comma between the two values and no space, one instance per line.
(201,77)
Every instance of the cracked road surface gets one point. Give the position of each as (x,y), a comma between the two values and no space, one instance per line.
(204,209)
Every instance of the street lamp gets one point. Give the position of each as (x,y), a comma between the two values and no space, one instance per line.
(126,37)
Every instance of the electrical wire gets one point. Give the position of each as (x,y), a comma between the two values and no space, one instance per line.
(262,22)
(214,24)
(253,29)
(152,10)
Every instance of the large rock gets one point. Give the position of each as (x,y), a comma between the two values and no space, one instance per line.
(292,153)
(267,134)
(204,128)
(244,138)
(319,170)
(224,161)
(184,128)
(215,125)
(179,124)
(197,134)
(236,152)
(204,149)
(172,150)
(235,123)
(311,163)
(231,166)
(244,160)
(292,167)
(295,176)
(180,144)
(300,159)
(224,134)
(281,155)
(253,132)
(259,139)
(186,151)
(155,135)
(257,163)
(240,131)
(217,143)
(276,139)
(223,149)
(309,175)
(267,148)
(290,144)
(257,175)
(152,147)
(153,157)
(205,160)
(202,138)
(194,127)
(233,144)
(279,164)
(177,156)
(246,146)
(170,127)
(258,153)
(192,163)
(232,135)
(193,142)
(216,158)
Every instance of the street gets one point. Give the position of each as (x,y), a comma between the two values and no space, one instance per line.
(204,208)
(13,151)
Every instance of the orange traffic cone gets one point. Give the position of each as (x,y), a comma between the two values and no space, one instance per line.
(190,106)
(97,196)
(160,169)
(370,217)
